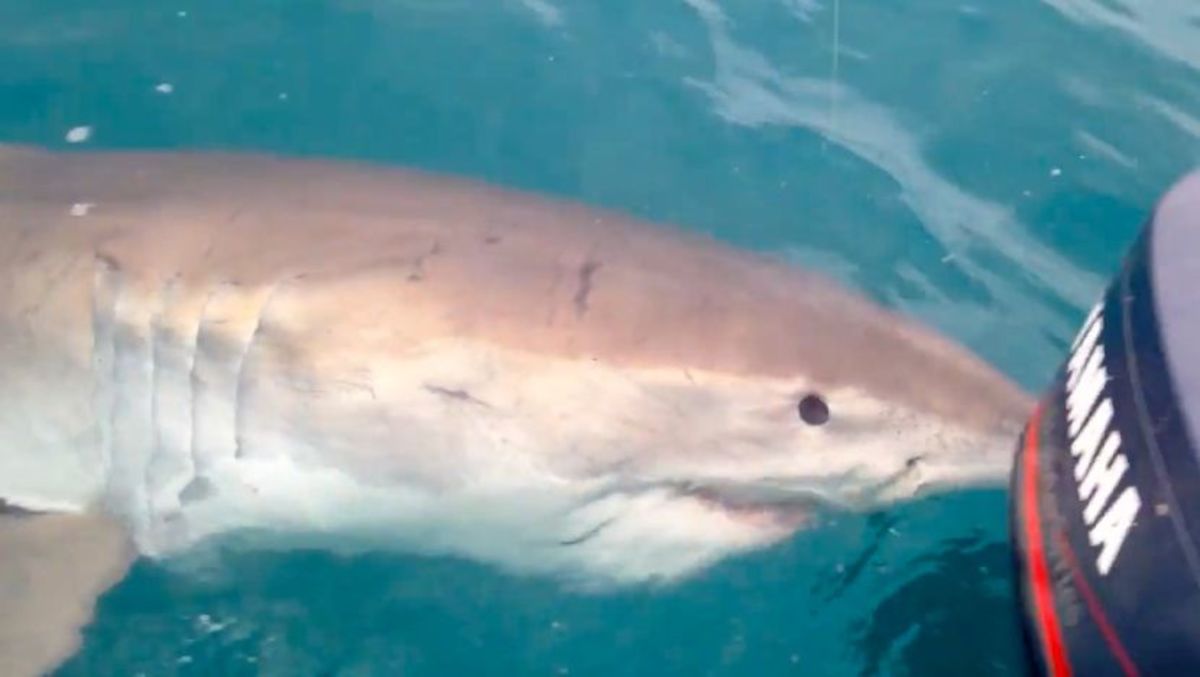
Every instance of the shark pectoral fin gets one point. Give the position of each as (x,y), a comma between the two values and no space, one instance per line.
(53,567)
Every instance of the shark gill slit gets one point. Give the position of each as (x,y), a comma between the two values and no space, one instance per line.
(150,338)
(240,369)
(155,438)
(175,355)
(133,390)
(228,322)
(164,368)
(104,280)
(196,483)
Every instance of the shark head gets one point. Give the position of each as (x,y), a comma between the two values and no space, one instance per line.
(621,471)
(807,403)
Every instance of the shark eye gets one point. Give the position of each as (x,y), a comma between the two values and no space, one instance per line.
(813,410)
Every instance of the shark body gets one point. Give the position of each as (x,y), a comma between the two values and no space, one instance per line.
(325,353)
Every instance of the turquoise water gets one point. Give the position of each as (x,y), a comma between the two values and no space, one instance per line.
(980,165)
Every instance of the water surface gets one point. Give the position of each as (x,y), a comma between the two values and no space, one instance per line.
(980,165)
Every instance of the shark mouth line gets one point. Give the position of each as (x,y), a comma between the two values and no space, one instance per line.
(771,503)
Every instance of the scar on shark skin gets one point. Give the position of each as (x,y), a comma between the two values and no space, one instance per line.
(456,394)
(587,535)
(418,264)
(911,464)
(586,274)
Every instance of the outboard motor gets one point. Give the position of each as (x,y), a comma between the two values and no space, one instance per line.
(1106,486)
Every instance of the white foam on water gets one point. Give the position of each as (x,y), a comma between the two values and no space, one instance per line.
(78,134)
(549,14)
(1167,27)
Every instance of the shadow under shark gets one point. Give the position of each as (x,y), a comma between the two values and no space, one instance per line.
(338,355)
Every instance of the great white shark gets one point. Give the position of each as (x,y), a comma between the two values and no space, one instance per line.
(335,354)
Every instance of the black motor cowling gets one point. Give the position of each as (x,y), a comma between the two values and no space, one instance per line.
(1106,485)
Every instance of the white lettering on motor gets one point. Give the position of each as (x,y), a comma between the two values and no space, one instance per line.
(1100,466)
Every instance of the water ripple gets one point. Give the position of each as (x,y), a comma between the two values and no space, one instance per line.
(1169,27)
(747,89)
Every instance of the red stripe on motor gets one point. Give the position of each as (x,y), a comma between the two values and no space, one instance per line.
(1097,611)
(1039,570)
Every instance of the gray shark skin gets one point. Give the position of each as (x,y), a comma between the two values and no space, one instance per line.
(351,356)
